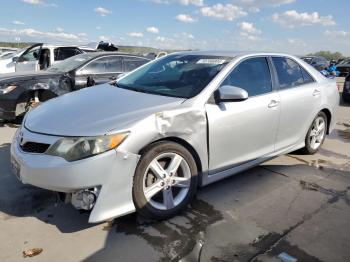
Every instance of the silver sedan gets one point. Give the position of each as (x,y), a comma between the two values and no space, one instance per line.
(147,141)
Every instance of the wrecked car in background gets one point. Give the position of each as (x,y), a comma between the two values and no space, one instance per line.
(318,62)
(37,57)
(344,67)
(19,92)
(144,143)
(100,46)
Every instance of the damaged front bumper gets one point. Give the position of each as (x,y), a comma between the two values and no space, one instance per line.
(111,172)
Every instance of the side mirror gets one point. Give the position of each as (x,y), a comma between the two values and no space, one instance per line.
(15,59)
(230,94)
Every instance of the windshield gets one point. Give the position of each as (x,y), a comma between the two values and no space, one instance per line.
(175,75)
(71,63)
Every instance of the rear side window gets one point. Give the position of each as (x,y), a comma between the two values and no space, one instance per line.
(114,64)
(97,66)
(253,75)
(131,63)
(288,72)
(65,52)
(307,77)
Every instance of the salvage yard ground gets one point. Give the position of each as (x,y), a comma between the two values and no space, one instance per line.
(295,204)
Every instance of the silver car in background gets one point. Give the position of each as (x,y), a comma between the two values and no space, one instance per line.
(148,141)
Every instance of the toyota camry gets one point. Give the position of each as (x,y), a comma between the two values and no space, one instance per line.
(146,142)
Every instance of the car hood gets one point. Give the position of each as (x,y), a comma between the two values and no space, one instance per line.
(95,111)
(25,76)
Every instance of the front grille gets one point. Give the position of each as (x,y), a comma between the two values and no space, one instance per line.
(32,147)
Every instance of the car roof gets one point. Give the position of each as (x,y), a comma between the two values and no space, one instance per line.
(106,53)
(230,53)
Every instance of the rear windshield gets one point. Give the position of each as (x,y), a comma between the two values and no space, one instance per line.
(175,75)
(307,59)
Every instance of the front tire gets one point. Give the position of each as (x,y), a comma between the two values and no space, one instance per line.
(316,134)
(165,180)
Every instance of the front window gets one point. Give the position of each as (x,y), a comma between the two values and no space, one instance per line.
(252,75)
(176,75)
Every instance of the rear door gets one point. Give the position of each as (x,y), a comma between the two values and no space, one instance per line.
(240,132)
(29,60)
(300,98)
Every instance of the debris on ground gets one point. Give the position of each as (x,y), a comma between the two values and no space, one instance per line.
(286,258)
(32,252)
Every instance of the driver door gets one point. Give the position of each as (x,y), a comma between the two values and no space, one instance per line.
(29,60)
(240,132)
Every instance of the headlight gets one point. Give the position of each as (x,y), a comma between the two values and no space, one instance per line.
(7,89)
(77,148)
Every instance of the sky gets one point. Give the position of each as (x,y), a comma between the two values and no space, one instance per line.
(293,26)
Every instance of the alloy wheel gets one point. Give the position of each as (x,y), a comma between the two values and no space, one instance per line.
(317,133)
(166,181)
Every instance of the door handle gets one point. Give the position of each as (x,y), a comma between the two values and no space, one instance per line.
(316,92)
(273,104)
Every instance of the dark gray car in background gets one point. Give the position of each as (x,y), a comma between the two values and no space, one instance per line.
(318,62)
(20,91)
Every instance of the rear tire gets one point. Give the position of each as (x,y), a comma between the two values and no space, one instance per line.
(165,180)
(316,134)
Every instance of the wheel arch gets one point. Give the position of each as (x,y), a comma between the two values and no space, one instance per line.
(328,114)
(186,145)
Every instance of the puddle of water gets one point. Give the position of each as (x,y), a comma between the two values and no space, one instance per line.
(342,135)
(176,237)
(292,250)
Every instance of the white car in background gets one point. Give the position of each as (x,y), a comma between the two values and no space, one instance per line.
(8,54)
(37,57)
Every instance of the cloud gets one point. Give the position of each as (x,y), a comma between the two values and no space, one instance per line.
(249,28)
(32,2)
(152,30)
(102,11)
(192,2)
(104,38)
(185,18)
(337,33)
(59,29)
(39,2)
(292,18)
(39,35)
(135,34)
(16,22)
(256,5)
(227,12)
(182,2)
(296,42)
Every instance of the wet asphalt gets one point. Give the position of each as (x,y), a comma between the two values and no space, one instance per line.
(294,205)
